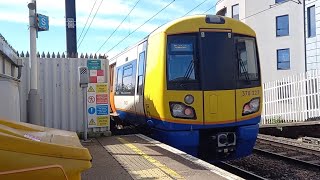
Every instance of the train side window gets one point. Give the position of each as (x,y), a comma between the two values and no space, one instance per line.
(141,73)
(127,83)
(119,81)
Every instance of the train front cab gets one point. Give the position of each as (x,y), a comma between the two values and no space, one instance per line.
(207,96)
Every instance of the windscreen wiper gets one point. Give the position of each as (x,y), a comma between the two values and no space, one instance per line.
(189,70)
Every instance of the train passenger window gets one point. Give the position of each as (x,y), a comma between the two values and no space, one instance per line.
(181,58)
(140,73)
(125,84)
(119,81)
(247,59)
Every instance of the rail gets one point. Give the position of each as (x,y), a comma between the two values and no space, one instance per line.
(296,152)
(238,171)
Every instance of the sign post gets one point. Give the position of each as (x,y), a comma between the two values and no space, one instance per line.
(83,82)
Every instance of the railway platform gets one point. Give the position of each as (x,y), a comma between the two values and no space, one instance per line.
(292,129)
(139,157)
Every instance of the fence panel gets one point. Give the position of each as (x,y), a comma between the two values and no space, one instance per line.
(60,93)
(292,99)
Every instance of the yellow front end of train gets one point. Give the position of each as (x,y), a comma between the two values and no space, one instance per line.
(202,88)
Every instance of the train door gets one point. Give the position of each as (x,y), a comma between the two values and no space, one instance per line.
(217,76)
(125,86)
(139,103)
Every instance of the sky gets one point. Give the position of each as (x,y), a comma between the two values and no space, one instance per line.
(14,22)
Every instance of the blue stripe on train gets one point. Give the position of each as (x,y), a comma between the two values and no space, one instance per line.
(164,125)
(175,134)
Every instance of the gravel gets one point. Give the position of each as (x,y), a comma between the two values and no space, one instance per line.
(270,168)
(289,153)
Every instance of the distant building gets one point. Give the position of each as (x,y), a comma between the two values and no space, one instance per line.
(279,25)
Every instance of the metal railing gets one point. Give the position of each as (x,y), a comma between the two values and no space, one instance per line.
(292,99)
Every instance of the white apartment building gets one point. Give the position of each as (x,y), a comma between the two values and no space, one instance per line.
(279,25)
(312,21)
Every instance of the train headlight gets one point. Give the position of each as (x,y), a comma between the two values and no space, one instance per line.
(189,99)
(180,110)
(251,107)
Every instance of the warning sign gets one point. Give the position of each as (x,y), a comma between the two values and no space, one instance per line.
(102,98)
(90,89)
(91,99)
(102,110)
(103,120)
(101,88)
(100,79)
(98,108)
(92,122)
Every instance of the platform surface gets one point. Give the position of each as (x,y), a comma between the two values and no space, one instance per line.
(139,157)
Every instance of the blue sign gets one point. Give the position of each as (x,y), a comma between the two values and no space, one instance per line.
(43,22)
(102,110)
(94,64)
(91,110)
(181,47)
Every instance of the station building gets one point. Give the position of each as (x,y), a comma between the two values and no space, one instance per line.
(286,33)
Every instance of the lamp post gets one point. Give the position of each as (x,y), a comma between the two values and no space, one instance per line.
(33,96)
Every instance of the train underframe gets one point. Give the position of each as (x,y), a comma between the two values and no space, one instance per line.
(216,144)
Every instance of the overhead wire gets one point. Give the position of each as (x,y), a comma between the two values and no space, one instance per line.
(118,26)
(208,9)
(271,7)
(87,20)
(195,7)
(141,26)
(90,24)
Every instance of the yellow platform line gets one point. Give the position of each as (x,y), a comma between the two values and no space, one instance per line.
(155,162)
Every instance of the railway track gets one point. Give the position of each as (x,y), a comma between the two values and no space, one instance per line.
(239,171)
(289,150)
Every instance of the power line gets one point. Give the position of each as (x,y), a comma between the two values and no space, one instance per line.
(90,23)
(87,20)
(212,7)
(141,25)
(195,8)
(271,7)
(118,26)
(208,10)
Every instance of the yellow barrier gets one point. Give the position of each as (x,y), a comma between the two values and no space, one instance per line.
(27,146)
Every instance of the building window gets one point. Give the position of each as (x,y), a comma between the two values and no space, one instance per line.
(280,1)
(283,59)
(282,25)
(311,22)
(235,11)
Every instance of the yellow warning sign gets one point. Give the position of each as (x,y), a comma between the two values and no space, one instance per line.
(92,122)
(103,120)
(91,89)
(101,88)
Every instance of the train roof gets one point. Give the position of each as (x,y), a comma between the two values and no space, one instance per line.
(192,23)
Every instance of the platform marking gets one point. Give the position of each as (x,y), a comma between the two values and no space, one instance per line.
(158,164)
(193,159)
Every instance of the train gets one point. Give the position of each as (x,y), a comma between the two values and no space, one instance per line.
(195,82)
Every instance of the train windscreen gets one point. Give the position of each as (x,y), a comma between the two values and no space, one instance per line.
(212,61)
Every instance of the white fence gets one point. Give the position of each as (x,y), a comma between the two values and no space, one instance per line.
(292,99)
(60,93)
